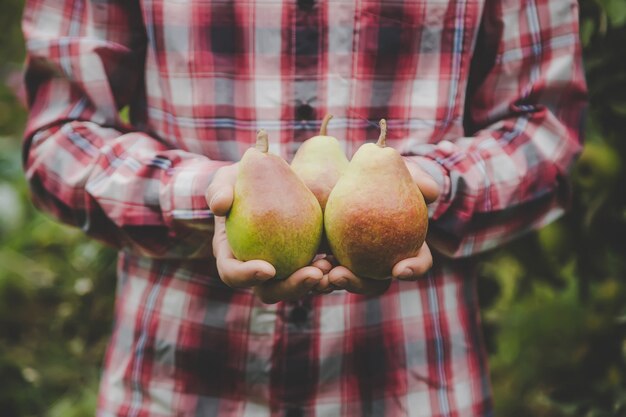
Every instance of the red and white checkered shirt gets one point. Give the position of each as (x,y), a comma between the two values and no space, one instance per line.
(487,95)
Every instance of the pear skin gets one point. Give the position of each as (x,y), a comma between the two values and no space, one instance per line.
(274,216)
(376,215)
(319,162)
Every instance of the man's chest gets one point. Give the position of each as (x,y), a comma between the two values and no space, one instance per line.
(385,39)
(217,70)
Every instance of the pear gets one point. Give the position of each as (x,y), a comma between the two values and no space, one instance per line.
(274,216)
(320,162)
(376,215)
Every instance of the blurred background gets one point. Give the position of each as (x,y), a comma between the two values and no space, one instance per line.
(553,304)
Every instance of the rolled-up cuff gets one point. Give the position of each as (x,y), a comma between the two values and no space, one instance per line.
(182,198)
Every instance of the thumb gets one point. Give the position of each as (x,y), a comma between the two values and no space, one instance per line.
(428,186)
(220,193)
(220,199)
(426,183)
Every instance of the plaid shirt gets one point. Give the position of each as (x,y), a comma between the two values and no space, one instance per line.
(486,95)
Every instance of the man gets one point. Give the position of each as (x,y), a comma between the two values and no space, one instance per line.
(483,97)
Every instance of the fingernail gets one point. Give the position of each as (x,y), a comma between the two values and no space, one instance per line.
(319,257)
(262,276)
(311,281)
(407,273)
(214,198)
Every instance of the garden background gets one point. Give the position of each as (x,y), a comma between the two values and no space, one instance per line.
(553,304)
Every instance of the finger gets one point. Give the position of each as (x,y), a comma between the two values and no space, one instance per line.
(412,269)
(237,274)
(293,287)
(331,259)
(324,265)
(324,286)
(234,273)
(319,256)
(428,186)
(220,200)
(220,193)
(221,246)
(342,277)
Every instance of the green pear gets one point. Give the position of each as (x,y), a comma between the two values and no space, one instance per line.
(319,162)
(274,216)
(376,215)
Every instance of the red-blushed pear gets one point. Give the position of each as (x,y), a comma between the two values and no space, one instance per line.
(376,215)
(274,216)
(320,162)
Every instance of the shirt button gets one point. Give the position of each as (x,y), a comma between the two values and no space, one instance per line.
(304,112)
(294,412)
(306,4)
(299,315)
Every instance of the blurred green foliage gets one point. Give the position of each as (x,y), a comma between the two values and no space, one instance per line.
(553,303)
(56,286)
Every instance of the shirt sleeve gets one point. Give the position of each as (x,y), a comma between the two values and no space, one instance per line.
(85,166)
(526,98)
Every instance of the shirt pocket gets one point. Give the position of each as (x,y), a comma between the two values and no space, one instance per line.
(411,62)
(415,39)
(386,38)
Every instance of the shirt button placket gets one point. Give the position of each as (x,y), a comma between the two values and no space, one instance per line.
(307,44)
(294,412)
(304,112)
(299,315)
(306,5)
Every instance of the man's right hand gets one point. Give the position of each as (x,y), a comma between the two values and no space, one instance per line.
(255,274)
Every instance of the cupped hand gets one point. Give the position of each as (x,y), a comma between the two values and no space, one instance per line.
(342,278)
(255,274)
(409,269)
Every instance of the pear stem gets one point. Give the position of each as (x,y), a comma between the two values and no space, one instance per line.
(383,134)
(325,124)
(262,141)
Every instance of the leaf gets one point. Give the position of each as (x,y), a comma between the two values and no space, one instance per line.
(619,107)
(616,12)
(125,114)
(587,29)
(11,210)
